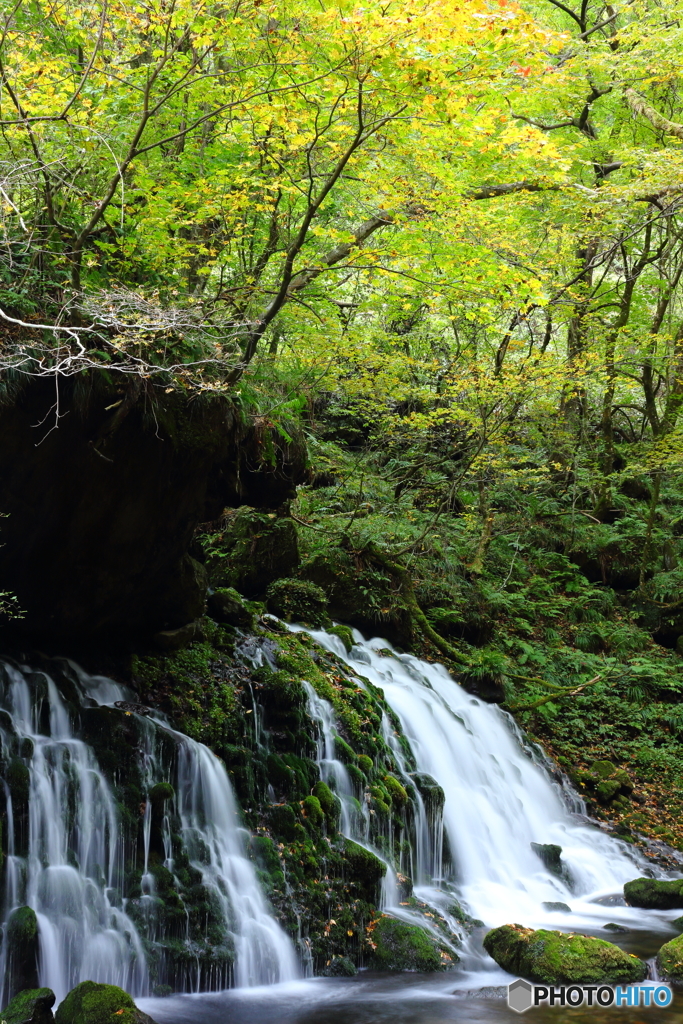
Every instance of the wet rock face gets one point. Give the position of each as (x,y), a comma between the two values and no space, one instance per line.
(23,945)
(555,958)
(653,894)
(101,509)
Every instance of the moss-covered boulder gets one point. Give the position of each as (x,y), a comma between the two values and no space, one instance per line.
(397,946)
(670,959)
(91,1003)
(253,549)
(604,782)
(340,967)
(557,958)
(345,634)
(298,601)
(362,867)
(22,943)
(227,606)
(654,893)
(33,1006)
(550,855)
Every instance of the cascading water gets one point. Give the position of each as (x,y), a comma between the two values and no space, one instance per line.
(498,801)
(355,821)
(67,856)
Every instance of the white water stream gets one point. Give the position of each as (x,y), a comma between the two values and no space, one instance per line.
(66,857)
(70,868)
(498,801)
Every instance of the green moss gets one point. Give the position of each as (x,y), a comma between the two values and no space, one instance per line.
(253,549)
(670,960)
(603,769)
(298,601)
(325,797)
(19,780)
(654,894)
(22,940)
(312,811)
(340,967)
(397,792)
(225,605)
(285,823)
(364,868)
(345,634)
(556,958)
(366,764)
(91,1003)
(161,792)
(33,1006)
(356,776)
(343,751)
(397,946)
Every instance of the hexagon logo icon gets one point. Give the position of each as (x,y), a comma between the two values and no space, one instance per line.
(520,996)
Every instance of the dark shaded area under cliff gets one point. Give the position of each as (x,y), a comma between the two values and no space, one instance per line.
(102,485)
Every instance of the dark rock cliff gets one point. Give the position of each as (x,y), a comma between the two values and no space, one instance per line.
(102,484)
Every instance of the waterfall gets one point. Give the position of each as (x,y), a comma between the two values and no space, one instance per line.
(499,800)
(67,854)
(355,820)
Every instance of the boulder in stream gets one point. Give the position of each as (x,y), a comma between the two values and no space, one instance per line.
(32,1006)
(398,946)
(654,893)
(558,958)
(23,945)
(670,960)
(92,1003)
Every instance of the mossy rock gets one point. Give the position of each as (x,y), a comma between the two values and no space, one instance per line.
(92,1003)
(312,811)
(364,868)
(18,779)
(23,945)
(557,907)
(550,855)
(345,634)
(406,947)
(32,1006)
(361,593)
(356,775)
(298,601)
(607,790)
(160,793)
(603,769)
(397,792)
(654,893)
(225,605)
(340,967)
(557,958)
(254,549)
(670,959)
(284,823)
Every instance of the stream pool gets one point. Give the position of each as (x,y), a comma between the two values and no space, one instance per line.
(385,999)
(465,996)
